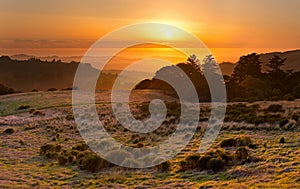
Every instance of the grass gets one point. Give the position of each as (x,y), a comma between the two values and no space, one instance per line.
(273,164)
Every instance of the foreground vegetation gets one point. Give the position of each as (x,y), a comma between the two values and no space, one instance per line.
(42,147)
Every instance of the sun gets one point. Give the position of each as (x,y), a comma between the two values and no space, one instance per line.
(168,34)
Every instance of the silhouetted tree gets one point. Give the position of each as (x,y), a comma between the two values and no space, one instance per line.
(277,76)
(275,63)
(249,65)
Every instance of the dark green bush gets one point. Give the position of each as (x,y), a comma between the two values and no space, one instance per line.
(215,163)
(70,117)
(165,166)
(283,122)
(289,98)
(282,140)
(52,89)
(93,163)
(295,116)
(230,142)
(39,113)
(214,160)
(244,141)
(224,155)
(242,153)
(192,161)
(23,107)
(274,108)
(47,148)
(203,160)
(9,131)
(81,147)
(62,160)
(235,142)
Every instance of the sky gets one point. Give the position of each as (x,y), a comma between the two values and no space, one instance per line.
(229,28)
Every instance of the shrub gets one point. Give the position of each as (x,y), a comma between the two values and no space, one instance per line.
(233,142)
(70,117)
(228,142)
(295,116)
(242,153)
(81,147)
(275,108)
(192,161)
(47,148)
(62,160)
(38,113)
(215,163)
(283,122)
(165,166)
(224,155)
(31,111)
(9,131)
(282,140)
(51,155)
(289,98)
(203,160)
(52,89)
(23,107)
(244,141)
(214,160)
(71,159)
(93,163)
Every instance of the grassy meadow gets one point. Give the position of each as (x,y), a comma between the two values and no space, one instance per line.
(41,147)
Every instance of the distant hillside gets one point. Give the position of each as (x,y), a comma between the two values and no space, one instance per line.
(32,74)
(227,68)
(292,62)
(26,75)
(65,59)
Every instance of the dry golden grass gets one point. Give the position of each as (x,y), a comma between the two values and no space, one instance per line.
(22,166)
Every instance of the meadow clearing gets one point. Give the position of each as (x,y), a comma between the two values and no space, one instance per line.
(41,147)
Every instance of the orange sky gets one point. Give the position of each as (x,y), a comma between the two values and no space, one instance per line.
(229,28)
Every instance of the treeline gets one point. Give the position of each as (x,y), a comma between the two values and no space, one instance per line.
(247,83)
(38,75)
(6,90)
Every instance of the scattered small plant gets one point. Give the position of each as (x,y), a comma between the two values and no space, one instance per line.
(9,131)
(282,140)
(39,113)
(50,150)
(295,116)
(93,163)
(23,107)
(289,97)
(242,153)
(283,122)
(214,160)
(274,108)
(70,117)
(216,163)
(81,147)
(236,142)
(52,89)
(62,160)
(165,166)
